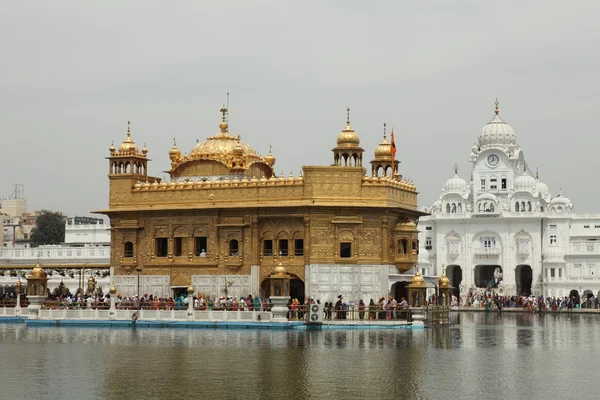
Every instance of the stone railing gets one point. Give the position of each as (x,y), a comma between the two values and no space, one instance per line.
(63,253)
(487,251)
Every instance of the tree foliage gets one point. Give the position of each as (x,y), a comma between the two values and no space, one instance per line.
(50,228)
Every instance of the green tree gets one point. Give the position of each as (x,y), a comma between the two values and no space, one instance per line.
(50,228)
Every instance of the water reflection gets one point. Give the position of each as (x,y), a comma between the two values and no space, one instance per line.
(479,353)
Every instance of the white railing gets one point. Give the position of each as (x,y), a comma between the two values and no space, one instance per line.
(148,315)
(56,252)
(584,248)
(493,251)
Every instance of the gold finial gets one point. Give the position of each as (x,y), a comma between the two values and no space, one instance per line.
(128,128)
(174,143)
(270,148)
(384,130)
(497,111)
(224,124)
(347,116)
(456,168)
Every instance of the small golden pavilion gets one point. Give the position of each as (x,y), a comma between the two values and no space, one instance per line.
(225,220)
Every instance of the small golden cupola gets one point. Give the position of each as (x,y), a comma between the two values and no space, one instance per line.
(174,153)
(221,155)
(127,159)
(348,152)
(270,158)
(128,146)
(383,164)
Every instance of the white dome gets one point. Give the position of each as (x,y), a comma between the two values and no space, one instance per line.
(497,132)
(542,188)
(554,253)
(560,199)
(456,184)
(525,182)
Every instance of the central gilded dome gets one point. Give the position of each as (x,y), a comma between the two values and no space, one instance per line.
(219,155)
(223,145)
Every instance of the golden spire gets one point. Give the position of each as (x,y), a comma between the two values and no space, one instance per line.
(112,147)
(129,129)
(456,168)
(174,153)
(224,125)
(144,150)
(347,117)
(497,110)
(384,131)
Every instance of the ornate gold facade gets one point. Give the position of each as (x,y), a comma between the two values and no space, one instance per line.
(225,210)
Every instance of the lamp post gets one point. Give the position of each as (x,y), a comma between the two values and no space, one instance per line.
(139,270)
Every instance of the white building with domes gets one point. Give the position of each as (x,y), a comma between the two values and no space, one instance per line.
(503,229)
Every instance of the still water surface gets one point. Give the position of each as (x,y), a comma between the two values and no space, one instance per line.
(518,356)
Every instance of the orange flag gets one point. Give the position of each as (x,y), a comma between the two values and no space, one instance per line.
(393,148)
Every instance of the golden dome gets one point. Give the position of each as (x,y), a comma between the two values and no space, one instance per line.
(270,159)
(113,290)
(223,146)
(384,150)
(190,290)
(347,137)
(128,145)
(144,150)
(280,272)
(112,147)
(38,271)
(444,281)
(418,279)
(174,153)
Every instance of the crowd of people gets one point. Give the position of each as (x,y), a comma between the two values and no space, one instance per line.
(531,303)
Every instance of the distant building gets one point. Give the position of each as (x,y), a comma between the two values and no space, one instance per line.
(503,229)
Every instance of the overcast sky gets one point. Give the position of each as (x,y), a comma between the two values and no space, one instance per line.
(73,72)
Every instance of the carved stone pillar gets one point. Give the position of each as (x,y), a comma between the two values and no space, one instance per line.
(306,240)
(385,239)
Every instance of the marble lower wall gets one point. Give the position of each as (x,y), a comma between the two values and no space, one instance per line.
(354,282)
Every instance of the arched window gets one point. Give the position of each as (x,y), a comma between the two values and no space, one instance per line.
(128,249)
(403,246)
(459,208)
(453,209)
(233,247)
(414,247)
(447,208)
(491,207)
(517,206)
(528,206)
(522,206)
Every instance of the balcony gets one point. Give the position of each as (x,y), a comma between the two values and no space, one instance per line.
(487,252)
(522,252)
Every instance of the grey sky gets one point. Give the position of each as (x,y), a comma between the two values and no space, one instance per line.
(73,73)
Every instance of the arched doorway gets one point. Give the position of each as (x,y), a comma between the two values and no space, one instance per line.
(524,279)
(454,274)
(400,290)
(486,276)
(296,289)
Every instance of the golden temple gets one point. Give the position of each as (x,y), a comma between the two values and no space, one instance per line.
(225,220)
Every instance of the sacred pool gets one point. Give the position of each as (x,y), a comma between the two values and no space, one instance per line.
(512,355)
